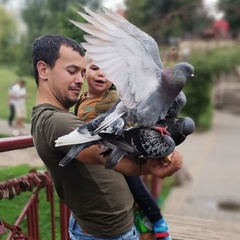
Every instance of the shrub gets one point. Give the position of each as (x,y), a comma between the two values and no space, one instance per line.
(199,90)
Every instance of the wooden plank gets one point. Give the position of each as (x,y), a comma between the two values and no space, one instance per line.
(186,228)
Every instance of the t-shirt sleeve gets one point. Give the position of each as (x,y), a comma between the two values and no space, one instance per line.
(60,124)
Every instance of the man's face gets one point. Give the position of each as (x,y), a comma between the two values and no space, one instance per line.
(66,77)
(98,84)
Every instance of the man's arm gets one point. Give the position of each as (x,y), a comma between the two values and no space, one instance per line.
(128,166)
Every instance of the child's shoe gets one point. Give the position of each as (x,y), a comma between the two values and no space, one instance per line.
(161,231)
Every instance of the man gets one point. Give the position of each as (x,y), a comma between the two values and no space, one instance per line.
(100,209)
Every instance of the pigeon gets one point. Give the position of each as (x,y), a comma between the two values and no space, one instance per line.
(83,136)
(147,142)
(134,141)
(138,142)
(179,128)
(131,61)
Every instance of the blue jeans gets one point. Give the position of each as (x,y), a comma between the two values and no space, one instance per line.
(76,233)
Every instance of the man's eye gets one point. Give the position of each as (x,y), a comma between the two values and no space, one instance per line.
(72,71)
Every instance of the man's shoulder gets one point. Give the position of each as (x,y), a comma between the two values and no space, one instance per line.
(51,113)
(49,119)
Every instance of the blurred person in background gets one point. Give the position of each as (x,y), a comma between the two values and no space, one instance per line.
(20,108)
(12,95)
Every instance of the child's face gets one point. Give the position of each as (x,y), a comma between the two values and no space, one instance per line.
(97,81)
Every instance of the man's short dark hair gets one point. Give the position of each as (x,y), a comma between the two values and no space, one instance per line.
(46,48)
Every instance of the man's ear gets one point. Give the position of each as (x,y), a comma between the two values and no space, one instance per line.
(42,68)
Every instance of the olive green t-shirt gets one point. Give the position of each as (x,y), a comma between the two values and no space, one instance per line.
(99,198)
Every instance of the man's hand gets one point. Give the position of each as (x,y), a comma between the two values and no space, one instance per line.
(162,169)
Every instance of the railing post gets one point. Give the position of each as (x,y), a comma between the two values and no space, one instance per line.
(32,219)
(50,198)
(64,219)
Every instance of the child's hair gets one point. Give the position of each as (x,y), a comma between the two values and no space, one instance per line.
(88,60)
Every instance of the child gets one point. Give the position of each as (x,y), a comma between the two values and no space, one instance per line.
(98,99)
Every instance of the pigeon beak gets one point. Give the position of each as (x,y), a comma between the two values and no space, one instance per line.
(192,75)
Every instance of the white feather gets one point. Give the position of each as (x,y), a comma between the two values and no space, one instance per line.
(91,30)
(75,138)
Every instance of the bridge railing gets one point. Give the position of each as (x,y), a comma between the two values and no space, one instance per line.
(35,182)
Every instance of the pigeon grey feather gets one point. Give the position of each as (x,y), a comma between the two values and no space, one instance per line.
(177,105)
(130,58)
(137,142)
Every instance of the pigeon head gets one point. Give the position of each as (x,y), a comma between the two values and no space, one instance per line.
(188,126)
(186,68)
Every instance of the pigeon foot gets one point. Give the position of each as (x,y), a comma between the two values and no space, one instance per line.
(162,130)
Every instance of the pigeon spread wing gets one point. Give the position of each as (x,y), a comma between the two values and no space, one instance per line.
(125,58)
(130,29)
(130,59)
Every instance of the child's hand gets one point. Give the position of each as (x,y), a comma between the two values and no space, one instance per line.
(161,231)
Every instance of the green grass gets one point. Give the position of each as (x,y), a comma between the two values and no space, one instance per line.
(11,208)
(7,78)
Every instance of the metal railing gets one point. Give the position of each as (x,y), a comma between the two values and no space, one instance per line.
(34,181)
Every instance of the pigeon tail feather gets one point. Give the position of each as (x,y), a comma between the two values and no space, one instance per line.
(75,150)
(71,154)
(114,157)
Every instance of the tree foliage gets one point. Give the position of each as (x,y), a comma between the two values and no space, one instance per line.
(8,28)
(50,17)
(199,90)
(231,9)
(167,18)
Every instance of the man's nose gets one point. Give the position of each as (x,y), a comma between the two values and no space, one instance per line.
(79,78)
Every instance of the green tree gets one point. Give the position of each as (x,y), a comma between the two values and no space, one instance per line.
(66,27)
(231,9)
(167,18)
(50,17)
(8,38)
